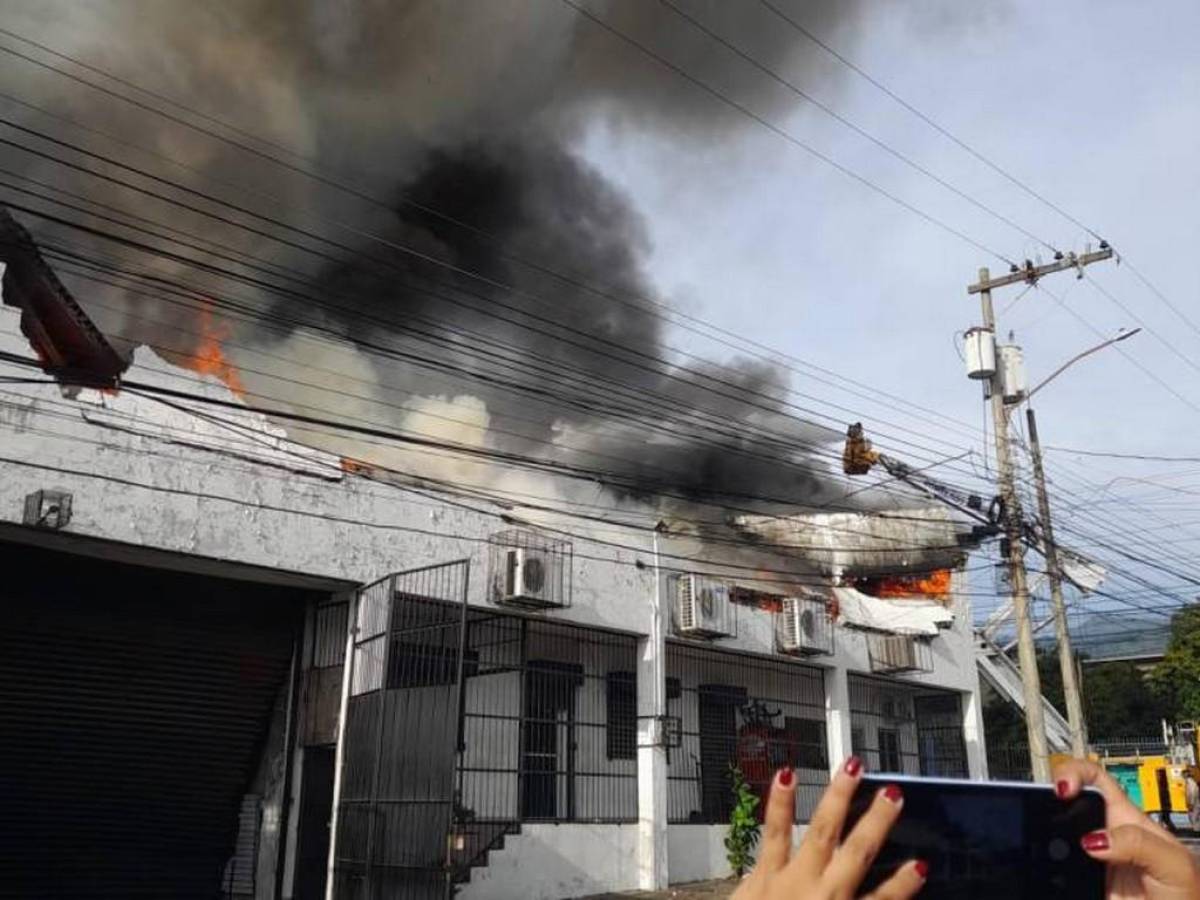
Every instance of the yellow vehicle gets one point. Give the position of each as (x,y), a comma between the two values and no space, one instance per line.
(1157,782)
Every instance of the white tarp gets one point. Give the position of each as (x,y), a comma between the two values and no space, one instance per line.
(907,616)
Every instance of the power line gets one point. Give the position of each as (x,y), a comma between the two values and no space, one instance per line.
(972,151)
(1125,353)
(259,283)
(853,126)
(487,311)
(1103,291)
(771,353)
(791,139)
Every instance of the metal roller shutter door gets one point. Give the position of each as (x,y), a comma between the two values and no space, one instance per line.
(133,707)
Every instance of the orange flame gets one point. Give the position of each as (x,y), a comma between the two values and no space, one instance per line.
(934,584)
(209,359)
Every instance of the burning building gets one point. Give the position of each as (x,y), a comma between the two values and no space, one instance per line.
(246,656)
(237,662)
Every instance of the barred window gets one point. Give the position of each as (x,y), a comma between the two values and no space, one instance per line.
(621,702)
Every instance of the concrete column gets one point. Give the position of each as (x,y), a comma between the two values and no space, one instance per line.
(973,735)
(651,754)
(837,716)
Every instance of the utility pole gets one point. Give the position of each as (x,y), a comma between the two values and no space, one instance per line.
(1066,658)
(1035,721)
(1072,690)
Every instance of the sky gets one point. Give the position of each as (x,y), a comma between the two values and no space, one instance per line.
(1094,105)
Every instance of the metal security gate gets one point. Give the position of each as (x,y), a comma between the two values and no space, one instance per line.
(402,733)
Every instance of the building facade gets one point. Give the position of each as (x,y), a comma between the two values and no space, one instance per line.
(233,660)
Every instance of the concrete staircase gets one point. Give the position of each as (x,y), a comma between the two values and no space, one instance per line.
(1003,675)
(476,841)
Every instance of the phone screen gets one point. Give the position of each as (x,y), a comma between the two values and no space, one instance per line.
(984,840)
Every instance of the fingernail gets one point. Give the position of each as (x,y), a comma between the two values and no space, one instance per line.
(785,777)
(922,868)
(853,766)
(1097,840)
(1061,789)
(893,793)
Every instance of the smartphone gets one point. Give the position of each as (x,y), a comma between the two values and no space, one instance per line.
(987,840)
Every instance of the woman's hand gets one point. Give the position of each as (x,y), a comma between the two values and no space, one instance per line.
(821,869)
(1144,861)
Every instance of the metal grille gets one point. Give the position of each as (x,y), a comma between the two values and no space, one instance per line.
(803,626)
(757,713)
(402,722)
(549,723)
(906,729)
(896,653)
(702,607)
(463,723)
(322,676)
(529,570)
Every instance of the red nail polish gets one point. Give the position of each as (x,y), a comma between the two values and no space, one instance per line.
(853,766)
(893,793)
(1061,789)
(785,777)
(922,868)
(1097,840)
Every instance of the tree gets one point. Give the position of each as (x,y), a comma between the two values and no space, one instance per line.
(1118,702)
(1176,680)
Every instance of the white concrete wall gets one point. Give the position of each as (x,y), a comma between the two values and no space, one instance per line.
(146,476)
(697,852)
(555,862)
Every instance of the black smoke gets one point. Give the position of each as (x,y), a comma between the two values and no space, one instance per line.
(477,253)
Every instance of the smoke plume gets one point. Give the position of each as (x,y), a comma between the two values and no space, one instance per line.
(457,124)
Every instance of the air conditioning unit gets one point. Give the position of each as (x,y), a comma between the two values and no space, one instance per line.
(702,607)
(804,627)
(531,578)
(899,653)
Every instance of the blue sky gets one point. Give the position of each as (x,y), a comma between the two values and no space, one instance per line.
(1095,105)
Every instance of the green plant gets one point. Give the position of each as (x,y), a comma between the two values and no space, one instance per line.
(744,827)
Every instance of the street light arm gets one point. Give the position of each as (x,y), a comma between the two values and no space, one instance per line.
(1074,359)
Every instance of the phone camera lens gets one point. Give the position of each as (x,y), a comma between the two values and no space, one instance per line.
(1059,850)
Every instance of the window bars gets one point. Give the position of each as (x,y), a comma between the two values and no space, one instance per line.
(550,724)
(752,712)
(905,729)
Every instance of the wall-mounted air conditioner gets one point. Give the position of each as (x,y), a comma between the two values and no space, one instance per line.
(893,653)
(703,607)
(531,578)
(804,627)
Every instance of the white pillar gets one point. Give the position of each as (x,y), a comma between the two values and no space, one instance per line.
(973,734)
(651,754)
(837,716)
